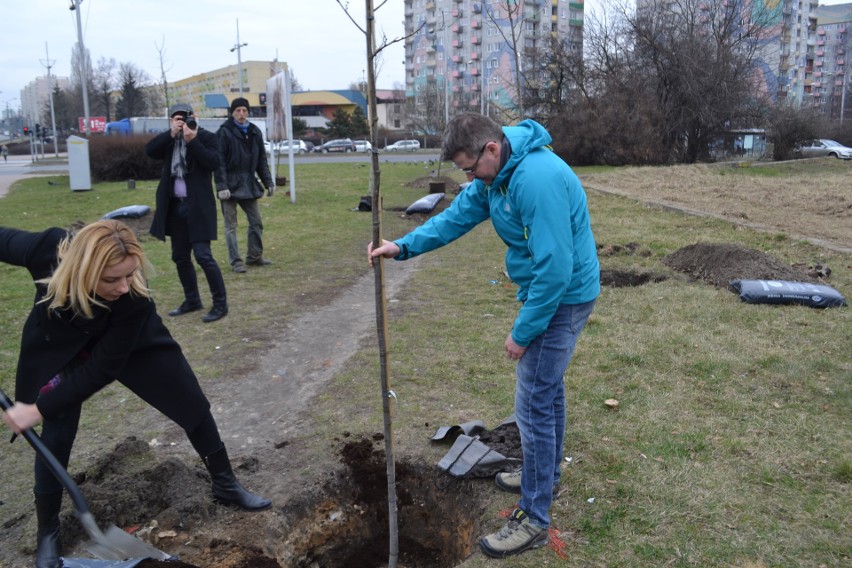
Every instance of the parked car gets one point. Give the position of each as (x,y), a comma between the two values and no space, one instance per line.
(339,145)
(363,145)
(403,145)
(824,147)
(299,147)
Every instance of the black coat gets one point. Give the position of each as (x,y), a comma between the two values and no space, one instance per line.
(127,343)
(243,156)
(202,162)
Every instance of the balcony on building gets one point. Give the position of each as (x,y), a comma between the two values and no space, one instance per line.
(457,58)
(476,24)
(474,56)
(455,12)
(576,6)
(457,73)
(476,8)
(475,40)
(841,62)
(431,62)
(430,6)
(456,28)
(456,43)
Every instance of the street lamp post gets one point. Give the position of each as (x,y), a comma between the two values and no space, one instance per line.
(48,63)
(75,6)
(238,47)
(9,123)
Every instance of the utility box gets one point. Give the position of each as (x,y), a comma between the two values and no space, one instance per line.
(78,164)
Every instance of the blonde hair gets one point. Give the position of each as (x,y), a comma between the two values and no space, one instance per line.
(83,258)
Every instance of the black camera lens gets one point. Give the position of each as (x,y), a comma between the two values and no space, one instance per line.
(191,123)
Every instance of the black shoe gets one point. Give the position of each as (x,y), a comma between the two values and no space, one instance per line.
(217,313)
(48,506)
(239,268)
(185,308)
(227,489)
(261,262)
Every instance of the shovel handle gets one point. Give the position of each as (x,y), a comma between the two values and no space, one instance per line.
(51,462)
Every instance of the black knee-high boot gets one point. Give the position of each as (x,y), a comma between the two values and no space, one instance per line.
(48,506)
(227,489)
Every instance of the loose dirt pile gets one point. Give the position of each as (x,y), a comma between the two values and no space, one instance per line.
(719,263)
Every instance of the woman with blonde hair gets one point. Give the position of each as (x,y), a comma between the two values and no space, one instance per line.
(94,322)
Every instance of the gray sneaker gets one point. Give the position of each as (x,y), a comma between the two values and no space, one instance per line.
(511,482)
(517,536)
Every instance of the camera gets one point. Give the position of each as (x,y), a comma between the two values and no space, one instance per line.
(190,122)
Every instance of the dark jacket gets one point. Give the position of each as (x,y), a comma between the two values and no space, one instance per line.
(126,342)
(243,156)
(202,162)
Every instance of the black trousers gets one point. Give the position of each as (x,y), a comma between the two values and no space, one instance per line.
(59,433)
(182,248)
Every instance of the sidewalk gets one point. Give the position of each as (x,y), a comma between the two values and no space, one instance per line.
(6,180)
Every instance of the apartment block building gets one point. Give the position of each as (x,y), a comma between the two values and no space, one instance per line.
(830,61)
(463,52)
(35,98)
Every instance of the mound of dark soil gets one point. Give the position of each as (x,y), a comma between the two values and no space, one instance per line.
(423,182)
(719,263)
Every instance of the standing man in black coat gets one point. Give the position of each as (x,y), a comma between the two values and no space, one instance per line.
(243,161)
(186,207)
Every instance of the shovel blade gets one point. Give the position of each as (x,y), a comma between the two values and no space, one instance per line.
(118,545)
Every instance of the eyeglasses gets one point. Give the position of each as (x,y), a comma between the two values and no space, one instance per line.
(470,171)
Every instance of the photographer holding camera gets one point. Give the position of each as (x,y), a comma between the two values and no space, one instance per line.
(186,206)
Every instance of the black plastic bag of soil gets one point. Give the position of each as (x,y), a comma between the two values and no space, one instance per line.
(469,457)
(784,292)
(128,212)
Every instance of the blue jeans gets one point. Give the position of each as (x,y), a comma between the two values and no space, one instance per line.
(540,408)
(255,230)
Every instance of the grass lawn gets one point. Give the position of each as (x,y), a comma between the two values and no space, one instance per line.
(730,446)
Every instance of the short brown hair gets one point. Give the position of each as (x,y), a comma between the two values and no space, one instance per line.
(468,132)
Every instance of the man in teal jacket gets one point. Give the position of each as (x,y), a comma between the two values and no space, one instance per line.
(538,208)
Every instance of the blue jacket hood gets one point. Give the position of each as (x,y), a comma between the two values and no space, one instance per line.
(523,138)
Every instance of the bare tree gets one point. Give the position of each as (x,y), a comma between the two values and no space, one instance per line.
(164,82)
(425,111)
(373,51)
(103,81)
(507,16)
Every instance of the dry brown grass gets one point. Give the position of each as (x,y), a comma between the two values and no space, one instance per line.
(809,200)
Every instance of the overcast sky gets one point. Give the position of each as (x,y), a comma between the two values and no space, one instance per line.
(322,47)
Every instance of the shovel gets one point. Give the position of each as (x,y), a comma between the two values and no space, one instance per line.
(114,544)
